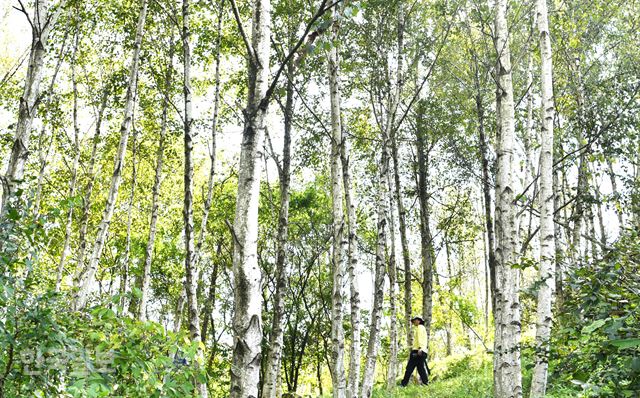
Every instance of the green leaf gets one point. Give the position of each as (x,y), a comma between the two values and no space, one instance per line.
(625,343)
(594,326)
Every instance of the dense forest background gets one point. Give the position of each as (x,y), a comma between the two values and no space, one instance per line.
(230,198)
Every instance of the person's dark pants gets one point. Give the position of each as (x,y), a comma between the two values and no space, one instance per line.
(416,361)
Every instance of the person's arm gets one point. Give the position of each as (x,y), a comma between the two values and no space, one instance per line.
(422,338)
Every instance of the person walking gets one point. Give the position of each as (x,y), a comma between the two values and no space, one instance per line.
(418,355)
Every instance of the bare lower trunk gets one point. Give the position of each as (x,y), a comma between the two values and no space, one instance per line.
(141,310)
(355,355)
(426,239)
(87,278)
(547,276)
(88,190)
(507,368)
(392,371)
(191,272)
(247,318)
(274,358)
(74,168)
(381,249)
(615,192)
(339,241)
(126,260)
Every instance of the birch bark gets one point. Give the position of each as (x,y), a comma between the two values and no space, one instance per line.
(74,168)
(274,358)
(355,355)
(191,282)
(339,241)
(547,280)
(507,368)
(247,318)
(87,277)
(41,24)
(381,249)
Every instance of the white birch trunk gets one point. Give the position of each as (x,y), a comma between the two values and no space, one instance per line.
(547,280)
(392,370)
(381,248)
(191,272)
(247,318)
(274,358)
(141,312)
(87,278)
(507,367)
(74,169)
(42,23)
(355,354)
(339,242)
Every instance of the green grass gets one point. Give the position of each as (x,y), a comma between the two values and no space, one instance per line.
(455,377)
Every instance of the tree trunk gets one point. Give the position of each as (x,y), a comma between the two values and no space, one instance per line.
(339,241)
(126,260)
(88,190)
(355,355)
(74,168)
(426,239)
(247,318)
(547,276)
(392,371)
(191,282)
(141,310)
(381,248)
(507,368)
(274,358)
(212,171)
(42,23)
(615,193)
(87,278)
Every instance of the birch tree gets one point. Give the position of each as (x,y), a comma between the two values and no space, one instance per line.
(546,282)
(339,241)
(247,317)
(274,357)
(86,279)
(74,167)
(507,368)
(41,22)
(355,355)
(145,280)
(381,254)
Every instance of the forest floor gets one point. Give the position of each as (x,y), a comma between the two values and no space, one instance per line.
(462,376)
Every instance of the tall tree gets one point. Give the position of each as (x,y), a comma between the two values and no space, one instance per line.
(547,241)
(274,357)
(247,317)
(339,241)
(42,23)
(507,367)
(87,277)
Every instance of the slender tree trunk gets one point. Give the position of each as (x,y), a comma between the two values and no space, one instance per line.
(615,192)
(87,278)
(44,159)
(141,310)
(88,190)
(392,371)
(212,171)
(126,260)
(547,276)
(247,318)
(191,272)
(339,241)
(426,239)
(507,367)
(381,248)
(74,168)
(581,189)
(274,358)
(42,23)
(355,355)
